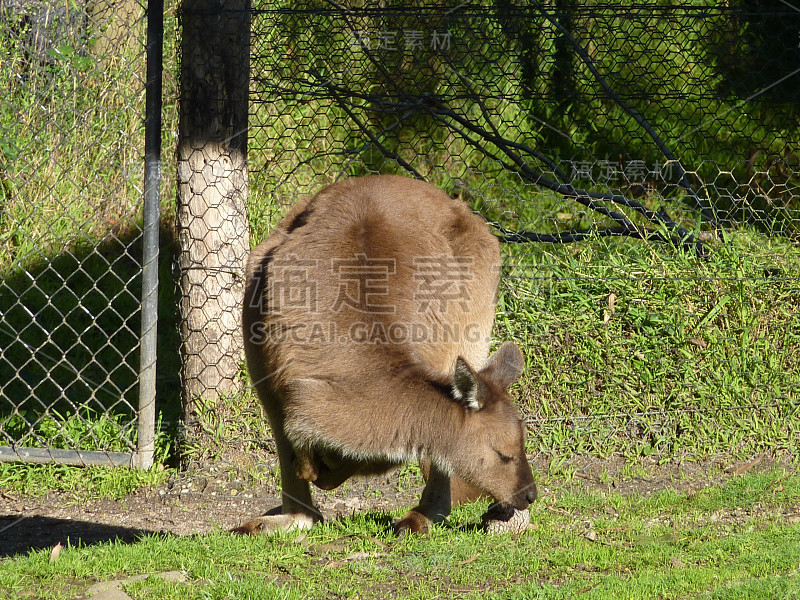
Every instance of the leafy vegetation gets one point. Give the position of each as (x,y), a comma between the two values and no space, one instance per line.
(632,348)
(644,350)
(71,136)
(516,73)
(82,484)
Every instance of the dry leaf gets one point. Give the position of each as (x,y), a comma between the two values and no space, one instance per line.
(746,466)
(612,298)
(700,343)
(607,314)
(780,488)
(55,552)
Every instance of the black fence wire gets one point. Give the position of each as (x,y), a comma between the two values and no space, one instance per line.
(638,160)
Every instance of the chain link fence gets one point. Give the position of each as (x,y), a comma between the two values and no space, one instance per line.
(71,232)
(639,160)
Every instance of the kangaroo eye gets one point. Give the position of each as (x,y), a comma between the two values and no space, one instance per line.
(503,457)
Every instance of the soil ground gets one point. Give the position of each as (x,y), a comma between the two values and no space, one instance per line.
(224,495)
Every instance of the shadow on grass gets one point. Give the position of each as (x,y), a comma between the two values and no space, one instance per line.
(25,534)
(69,343)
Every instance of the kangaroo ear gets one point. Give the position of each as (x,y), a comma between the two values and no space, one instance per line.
(504,366)
(465,385)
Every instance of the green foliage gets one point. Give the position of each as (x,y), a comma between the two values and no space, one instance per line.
(86,430)
(71,137)
(83,430)
(642,350)
(235,423)
(511,72)
(78,483)
(695,358)
(71,144)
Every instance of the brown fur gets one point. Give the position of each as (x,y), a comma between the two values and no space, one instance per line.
(367,321)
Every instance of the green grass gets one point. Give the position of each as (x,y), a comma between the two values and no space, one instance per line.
(80,484)
(632,348)
(641,349)
(740,539)
(227,424)
(696,357)
(677,367)
(85,430)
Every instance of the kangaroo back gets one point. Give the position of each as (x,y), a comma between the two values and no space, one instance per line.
(372,271)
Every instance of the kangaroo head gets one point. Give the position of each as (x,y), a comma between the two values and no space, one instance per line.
(491,452)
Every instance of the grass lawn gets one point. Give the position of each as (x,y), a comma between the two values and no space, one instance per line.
(739,539)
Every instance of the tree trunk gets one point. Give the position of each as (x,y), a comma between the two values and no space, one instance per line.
(113,25)
(212,195)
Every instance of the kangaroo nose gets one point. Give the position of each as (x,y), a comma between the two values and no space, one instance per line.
(530,495)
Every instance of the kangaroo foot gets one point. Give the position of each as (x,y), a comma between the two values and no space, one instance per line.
(270,523)
(412,522)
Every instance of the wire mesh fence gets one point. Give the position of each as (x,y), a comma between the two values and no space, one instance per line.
(640,162)
(639,159)
(71,232)
(212,197)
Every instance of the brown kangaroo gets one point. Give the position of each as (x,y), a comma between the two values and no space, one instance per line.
(367,321)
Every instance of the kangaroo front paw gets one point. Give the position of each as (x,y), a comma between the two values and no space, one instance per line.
(306,467)
(501,518)
(272,523)
(412,522)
